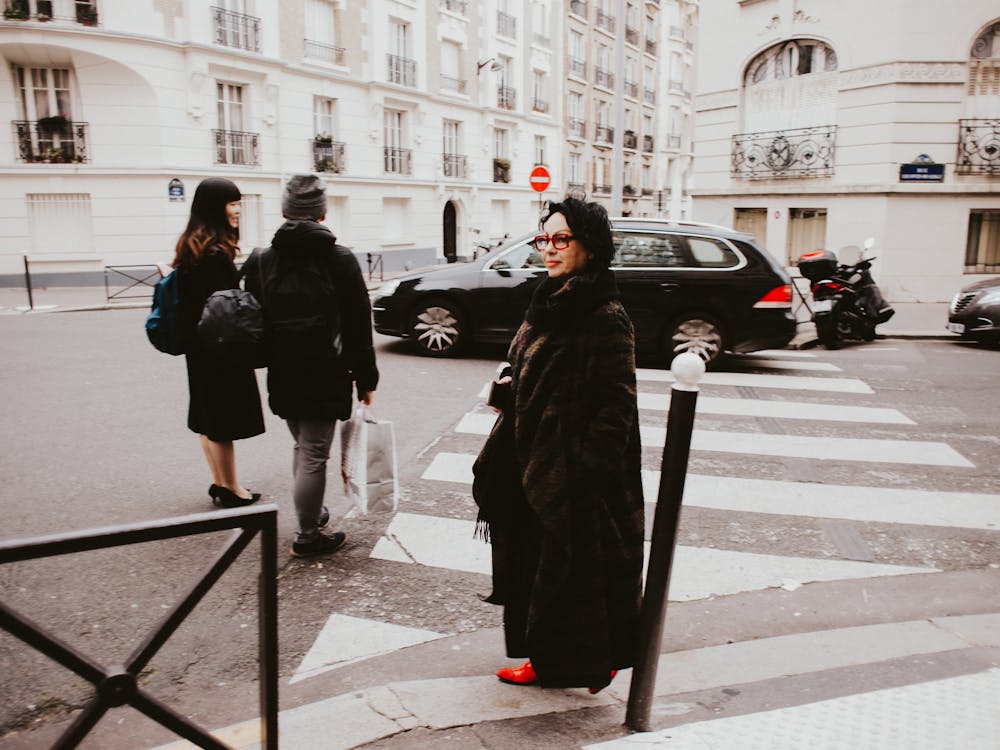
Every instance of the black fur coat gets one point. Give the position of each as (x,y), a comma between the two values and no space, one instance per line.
(559,488)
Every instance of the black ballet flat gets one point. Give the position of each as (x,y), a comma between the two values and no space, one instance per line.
(226,498)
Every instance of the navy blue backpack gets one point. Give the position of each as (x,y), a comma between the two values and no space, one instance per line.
(164,324)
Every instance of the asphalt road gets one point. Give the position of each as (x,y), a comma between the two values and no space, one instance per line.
(94,435)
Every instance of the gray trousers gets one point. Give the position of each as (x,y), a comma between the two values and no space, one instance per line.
(313,438)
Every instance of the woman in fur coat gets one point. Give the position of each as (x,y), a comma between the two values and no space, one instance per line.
(558,480)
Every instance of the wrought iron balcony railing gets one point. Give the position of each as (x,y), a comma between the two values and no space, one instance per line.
(602,189)
(236,29)
(448,83)
(539,105)
(51,140)
(325,52)
(650,47)
(455,6)
(799,152)
(632,89)
(604,78)
(647,144)
(401,70)
(576,127)
(578,7)
(647,191)
(630,139)
(978,146)
(328,156)
(398,160)
(632,36)
(604,134)
(606,22)
(236,147)
(506,24)
(577,67)
(506,97)
(455,165)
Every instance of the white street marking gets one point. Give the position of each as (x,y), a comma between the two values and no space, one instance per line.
(765,380)
(748,407)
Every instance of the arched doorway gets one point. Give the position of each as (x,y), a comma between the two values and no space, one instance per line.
(450,232)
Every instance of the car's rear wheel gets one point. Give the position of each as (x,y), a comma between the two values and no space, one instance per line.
(701,335)
(438,328)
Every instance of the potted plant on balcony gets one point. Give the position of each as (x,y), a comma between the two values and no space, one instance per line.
(323,139)
(326,164)
(86,14)
(628,190)
(52,124)
(15,13)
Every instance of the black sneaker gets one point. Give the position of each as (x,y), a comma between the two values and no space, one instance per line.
(324,517)
(324,544)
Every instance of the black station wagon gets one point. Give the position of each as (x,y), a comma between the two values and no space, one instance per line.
(687,287)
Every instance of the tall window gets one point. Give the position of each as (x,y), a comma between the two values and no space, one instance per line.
(540,149)
(321,22)
(982,249)
(393,131)
(230,106)
(501,143)
(540,19)
(575,169)
(451,75)
(577,54)
(451,143)
(398,33)
(45,92)
(540,91)
(397,158)
(323,116)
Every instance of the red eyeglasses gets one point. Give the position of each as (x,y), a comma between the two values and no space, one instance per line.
(559,241)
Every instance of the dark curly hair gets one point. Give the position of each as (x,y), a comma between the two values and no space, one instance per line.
(590,226)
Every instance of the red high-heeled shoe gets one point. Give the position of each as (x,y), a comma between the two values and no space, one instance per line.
(522,675)
(596,690)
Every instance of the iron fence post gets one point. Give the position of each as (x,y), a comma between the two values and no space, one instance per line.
(688,369)
(27,283)
(268,637)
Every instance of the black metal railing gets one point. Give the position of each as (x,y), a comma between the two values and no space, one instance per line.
(326,52)
(978,146)
(578,7)
(632,89)
(576,127)
(501,170)
(506,24)
(328,155)
(398,160)
(51,140)
(604,78)
(450,83)
(455,6)
(604,134)
(630,139)
(236,147)
(650,47)
(602,189)
(236,29)
(577,67)
(606,22)
(539,105)
(647,191)
(506,97)
(799,152)
(127,280)
(401,70)
(455,165)
(86,14)
(647,144)
(120,685)
(632,36)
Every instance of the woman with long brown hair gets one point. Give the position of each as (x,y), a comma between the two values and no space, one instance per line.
(224,401)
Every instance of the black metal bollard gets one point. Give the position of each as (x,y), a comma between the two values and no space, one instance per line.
(688,369)
(27,283)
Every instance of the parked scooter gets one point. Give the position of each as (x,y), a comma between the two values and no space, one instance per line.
(847,304)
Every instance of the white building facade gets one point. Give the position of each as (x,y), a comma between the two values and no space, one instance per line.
(424,116)
(819,124)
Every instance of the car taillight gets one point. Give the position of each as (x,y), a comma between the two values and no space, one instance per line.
(833,286)
(780,297)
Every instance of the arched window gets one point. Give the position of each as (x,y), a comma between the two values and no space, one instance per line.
(984,69)
(798,57)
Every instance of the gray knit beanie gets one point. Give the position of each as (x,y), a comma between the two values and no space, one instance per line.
(304,198)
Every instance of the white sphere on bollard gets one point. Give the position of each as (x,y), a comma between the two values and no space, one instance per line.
(687,368)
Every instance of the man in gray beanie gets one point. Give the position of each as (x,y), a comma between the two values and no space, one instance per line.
(319,345)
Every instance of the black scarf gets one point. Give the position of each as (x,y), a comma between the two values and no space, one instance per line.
(558,302)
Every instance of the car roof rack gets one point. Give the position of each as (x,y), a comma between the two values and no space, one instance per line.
(677,222)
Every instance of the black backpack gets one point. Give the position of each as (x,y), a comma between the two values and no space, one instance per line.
(302,318)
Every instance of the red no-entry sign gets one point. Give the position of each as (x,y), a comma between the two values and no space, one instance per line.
(539,179)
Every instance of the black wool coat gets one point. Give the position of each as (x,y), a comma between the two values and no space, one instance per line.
(224,400)
(559,487)
(317,384)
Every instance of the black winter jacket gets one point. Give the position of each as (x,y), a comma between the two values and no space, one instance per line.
(322,388)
